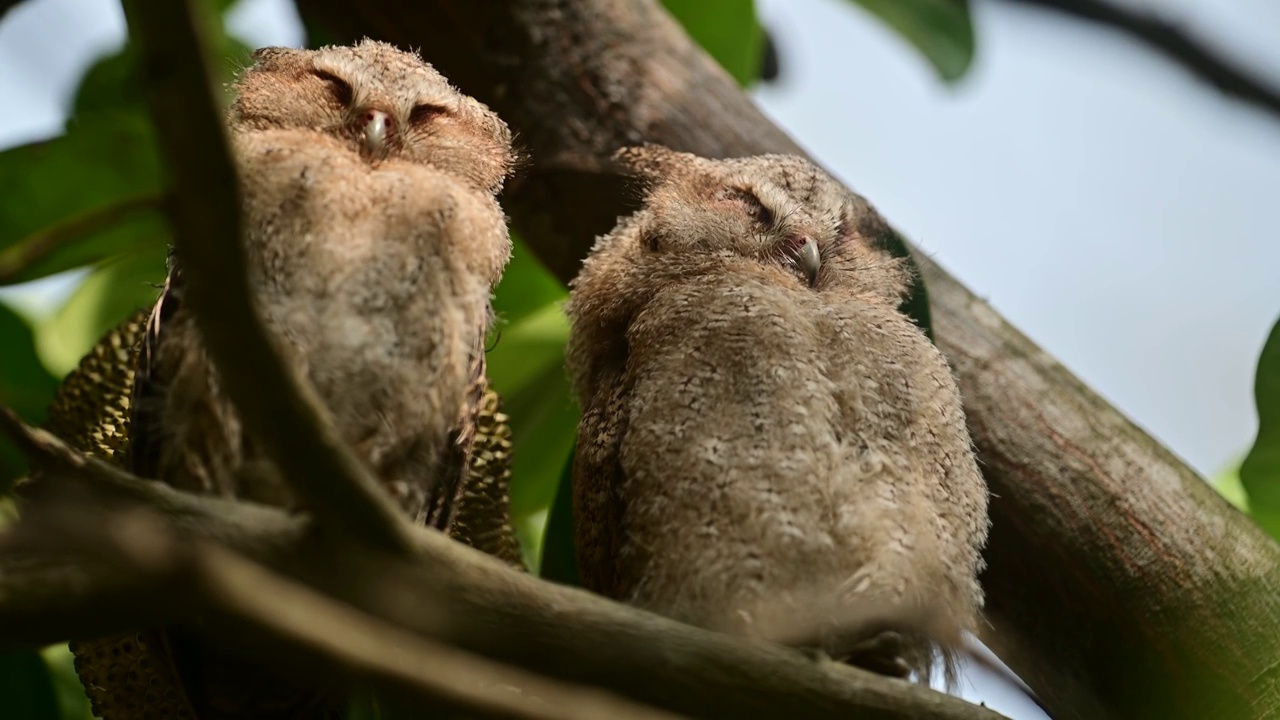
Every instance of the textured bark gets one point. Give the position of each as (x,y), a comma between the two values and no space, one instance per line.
(1119,584)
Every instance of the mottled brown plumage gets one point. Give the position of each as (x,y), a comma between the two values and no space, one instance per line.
(768,445)
(373,240)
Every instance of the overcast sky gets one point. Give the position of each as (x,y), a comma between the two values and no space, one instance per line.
(1116,210)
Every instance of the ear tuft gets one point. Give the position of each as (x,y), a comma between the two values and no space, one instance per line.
(269,57)
(652,162)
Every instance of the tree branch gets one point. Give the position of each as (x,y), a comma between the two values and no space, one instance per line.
(1177,588)
(243,606)
(275,405)
(1171,41)
(451,594)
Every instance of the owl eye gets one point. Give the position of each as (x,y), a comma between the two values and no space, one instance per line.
(762,215)
(341,88)
(426,112)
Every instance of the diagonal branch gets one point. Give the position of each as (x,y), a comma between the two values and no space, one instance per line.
(448,593)
(275,405)
(1174,43)
(1179,591)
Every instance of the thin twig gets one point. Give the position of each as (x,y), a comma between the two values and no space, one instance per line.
(1174,43)
(275,405)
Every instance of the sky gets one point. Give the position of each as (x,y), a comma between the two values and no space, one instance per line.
(1119,212)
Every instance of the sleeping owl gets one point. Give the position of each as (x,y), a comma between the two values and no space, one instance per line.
(768,445)
(373,239)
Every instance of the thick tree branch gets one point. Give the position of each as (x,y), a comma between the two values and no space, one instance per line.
(452,594)
(1174,43)
(1113,512)
(275,405)
(243,606)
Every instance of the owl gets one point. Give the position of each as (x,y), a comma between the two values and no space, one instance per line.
(373,239)
(768,445)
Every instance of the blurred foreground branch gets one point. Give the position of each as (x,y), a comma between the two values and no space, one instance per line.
(242,604)
(1119,584)
(1174,43)
(445,592)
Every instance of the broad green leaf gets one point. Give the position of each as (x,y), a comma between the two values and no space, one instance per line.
(544,420)
(96,178)
(728,30)
(25,386)
(26,688)
(940,29)
(1260,471)
(527,349)
(559,559)
(108,295)
(94,192)
(526,286)
(526,367)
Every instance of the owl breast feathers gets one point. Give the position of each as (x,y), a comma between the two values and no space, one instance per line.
(767,442)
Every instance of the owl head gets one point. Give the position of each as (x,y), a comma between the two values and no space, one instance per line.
(775,219)
(383,103)
(778,216)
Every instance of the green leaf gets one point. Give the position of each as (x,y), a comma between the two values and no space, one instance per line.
(940,29)
(543,422)
(107,296)
(94,192)
(526,286)
(72,700)
(728,30)
(526,367)
(1227,483)
(25,386)
(95,180)
(1260,471)
(559,560)
(26,688)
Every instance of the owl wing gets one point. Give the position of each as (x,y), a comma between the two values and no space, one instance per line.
(597,481)
(451,476)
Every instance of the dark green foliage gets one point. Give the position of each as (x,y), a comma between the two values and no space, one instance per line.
(940,29)
(26,688)
(1260,473)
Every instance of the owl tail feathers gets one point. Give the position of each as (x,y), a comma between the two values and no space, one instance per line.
(893,639)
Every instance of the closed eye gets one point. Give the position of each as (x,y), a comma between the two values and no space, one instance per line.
(758,210)
(341,88)
(426,112)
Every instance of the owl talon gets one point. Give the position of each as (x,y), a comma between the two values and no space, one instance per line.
(881,654)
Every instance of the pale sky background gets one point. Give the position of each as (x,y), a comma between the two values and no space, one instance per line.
(1118,211)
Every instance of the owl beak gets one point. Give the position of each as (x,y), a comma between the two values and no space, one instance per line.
(809,260)
(377,127)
